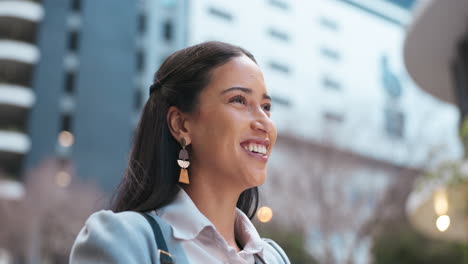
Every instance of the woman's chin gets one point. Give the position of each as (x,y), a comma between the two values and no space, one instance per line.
(257,180)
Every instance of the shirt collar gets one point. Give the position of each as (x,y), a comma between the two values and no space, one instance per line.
(247,234)
(184,217)
(187,222)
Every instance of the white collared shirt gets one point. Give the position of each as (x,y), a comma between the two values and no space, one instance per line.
(201,241)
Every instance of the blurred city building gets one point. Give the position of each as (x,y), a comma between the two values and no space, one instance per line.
(354,130)
(19,54)
(86,87)
(436,56)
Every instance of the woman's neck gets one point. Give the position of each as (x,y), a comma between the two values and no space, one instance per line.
(216,202)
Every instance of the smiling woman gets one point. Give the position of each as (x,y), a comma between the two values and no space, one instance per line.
(198,155)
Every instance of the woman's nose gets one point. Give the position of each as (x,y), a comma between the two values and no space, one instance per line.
(262,122)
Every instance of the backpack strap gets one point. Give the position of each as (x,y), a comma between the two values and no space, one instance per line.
(259,260)
(163,253)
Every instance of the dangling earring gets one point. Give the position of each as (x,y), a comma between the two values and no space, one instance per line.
(183,162)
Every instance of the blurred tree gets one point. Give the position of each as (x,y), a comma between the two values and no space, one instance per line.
(404,245)
(463,132)
(341,198)
(42,226)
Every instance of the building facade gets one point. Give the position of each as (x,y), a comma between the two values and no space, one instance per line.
(86,85)
(19,55)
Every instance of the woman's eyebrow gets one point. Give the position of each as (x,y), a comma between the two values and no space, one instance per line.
(245,90)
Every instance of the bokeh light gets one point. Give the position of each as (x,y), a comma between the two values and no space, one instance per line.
(65,138)
(264,214)
(441,202)
(63,179)
(443,222)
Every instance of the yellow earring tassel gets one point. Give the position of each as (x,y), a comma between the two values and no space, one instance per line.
(183,176)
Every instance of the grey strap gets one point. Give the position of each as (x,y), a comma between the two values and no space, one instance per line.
(259,260)
(175,247)
(163,253)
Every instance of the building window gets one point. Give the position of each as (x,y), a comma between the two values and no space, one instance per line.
(140,57)
(63,162)
(76,5)
(220,13)
(331,83)
(142,23)
(329,24)
(168,31)
(330,54)
(406,4)
(394,123)
(279,4)
(278,34)
(279,67)
(73,39)
(70,82)
(333,117)
(280,101)
(66,122)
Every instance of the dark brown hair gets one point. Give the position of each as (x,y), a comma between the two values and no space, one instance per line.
(151,178)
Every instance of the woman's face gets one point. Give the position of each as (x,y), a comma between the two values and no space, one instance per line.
(232,134)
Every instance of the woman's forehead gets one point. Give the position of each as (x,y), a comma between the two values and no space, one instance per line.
(239,71)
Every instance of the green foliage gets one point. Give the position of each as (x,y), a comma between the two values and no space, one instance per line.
(292,242)
(464,135)
(448,171)
(405,245)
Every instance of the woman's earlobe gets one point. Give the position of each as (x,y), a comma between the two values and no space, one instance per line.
(185,141)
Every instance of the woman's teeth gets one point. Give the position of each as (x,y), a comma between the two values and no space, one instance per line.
(256,148)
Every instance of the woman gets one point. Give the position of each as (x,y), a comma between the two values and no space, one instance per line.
(199,153)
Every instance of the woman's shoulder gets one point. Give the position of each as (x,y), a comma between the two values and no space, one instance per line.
(107,218)
(109,237)
(106,224)
(274,253)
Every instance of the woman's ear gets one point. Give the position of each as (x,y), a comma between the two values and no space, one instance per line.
(177,123)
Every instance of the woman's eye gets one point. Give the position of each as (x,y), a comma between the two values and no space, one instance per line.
(267,107)
(238,99)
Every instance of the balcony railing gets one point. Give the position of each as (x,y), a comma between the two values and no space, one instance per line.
(18,51)
(16,142)
(28,10)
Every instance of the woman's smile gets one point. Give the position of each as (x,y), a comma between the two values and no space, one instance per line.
(257,148)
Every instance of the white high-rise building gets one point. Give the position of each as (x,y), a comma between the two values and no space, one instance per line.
(335,64)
